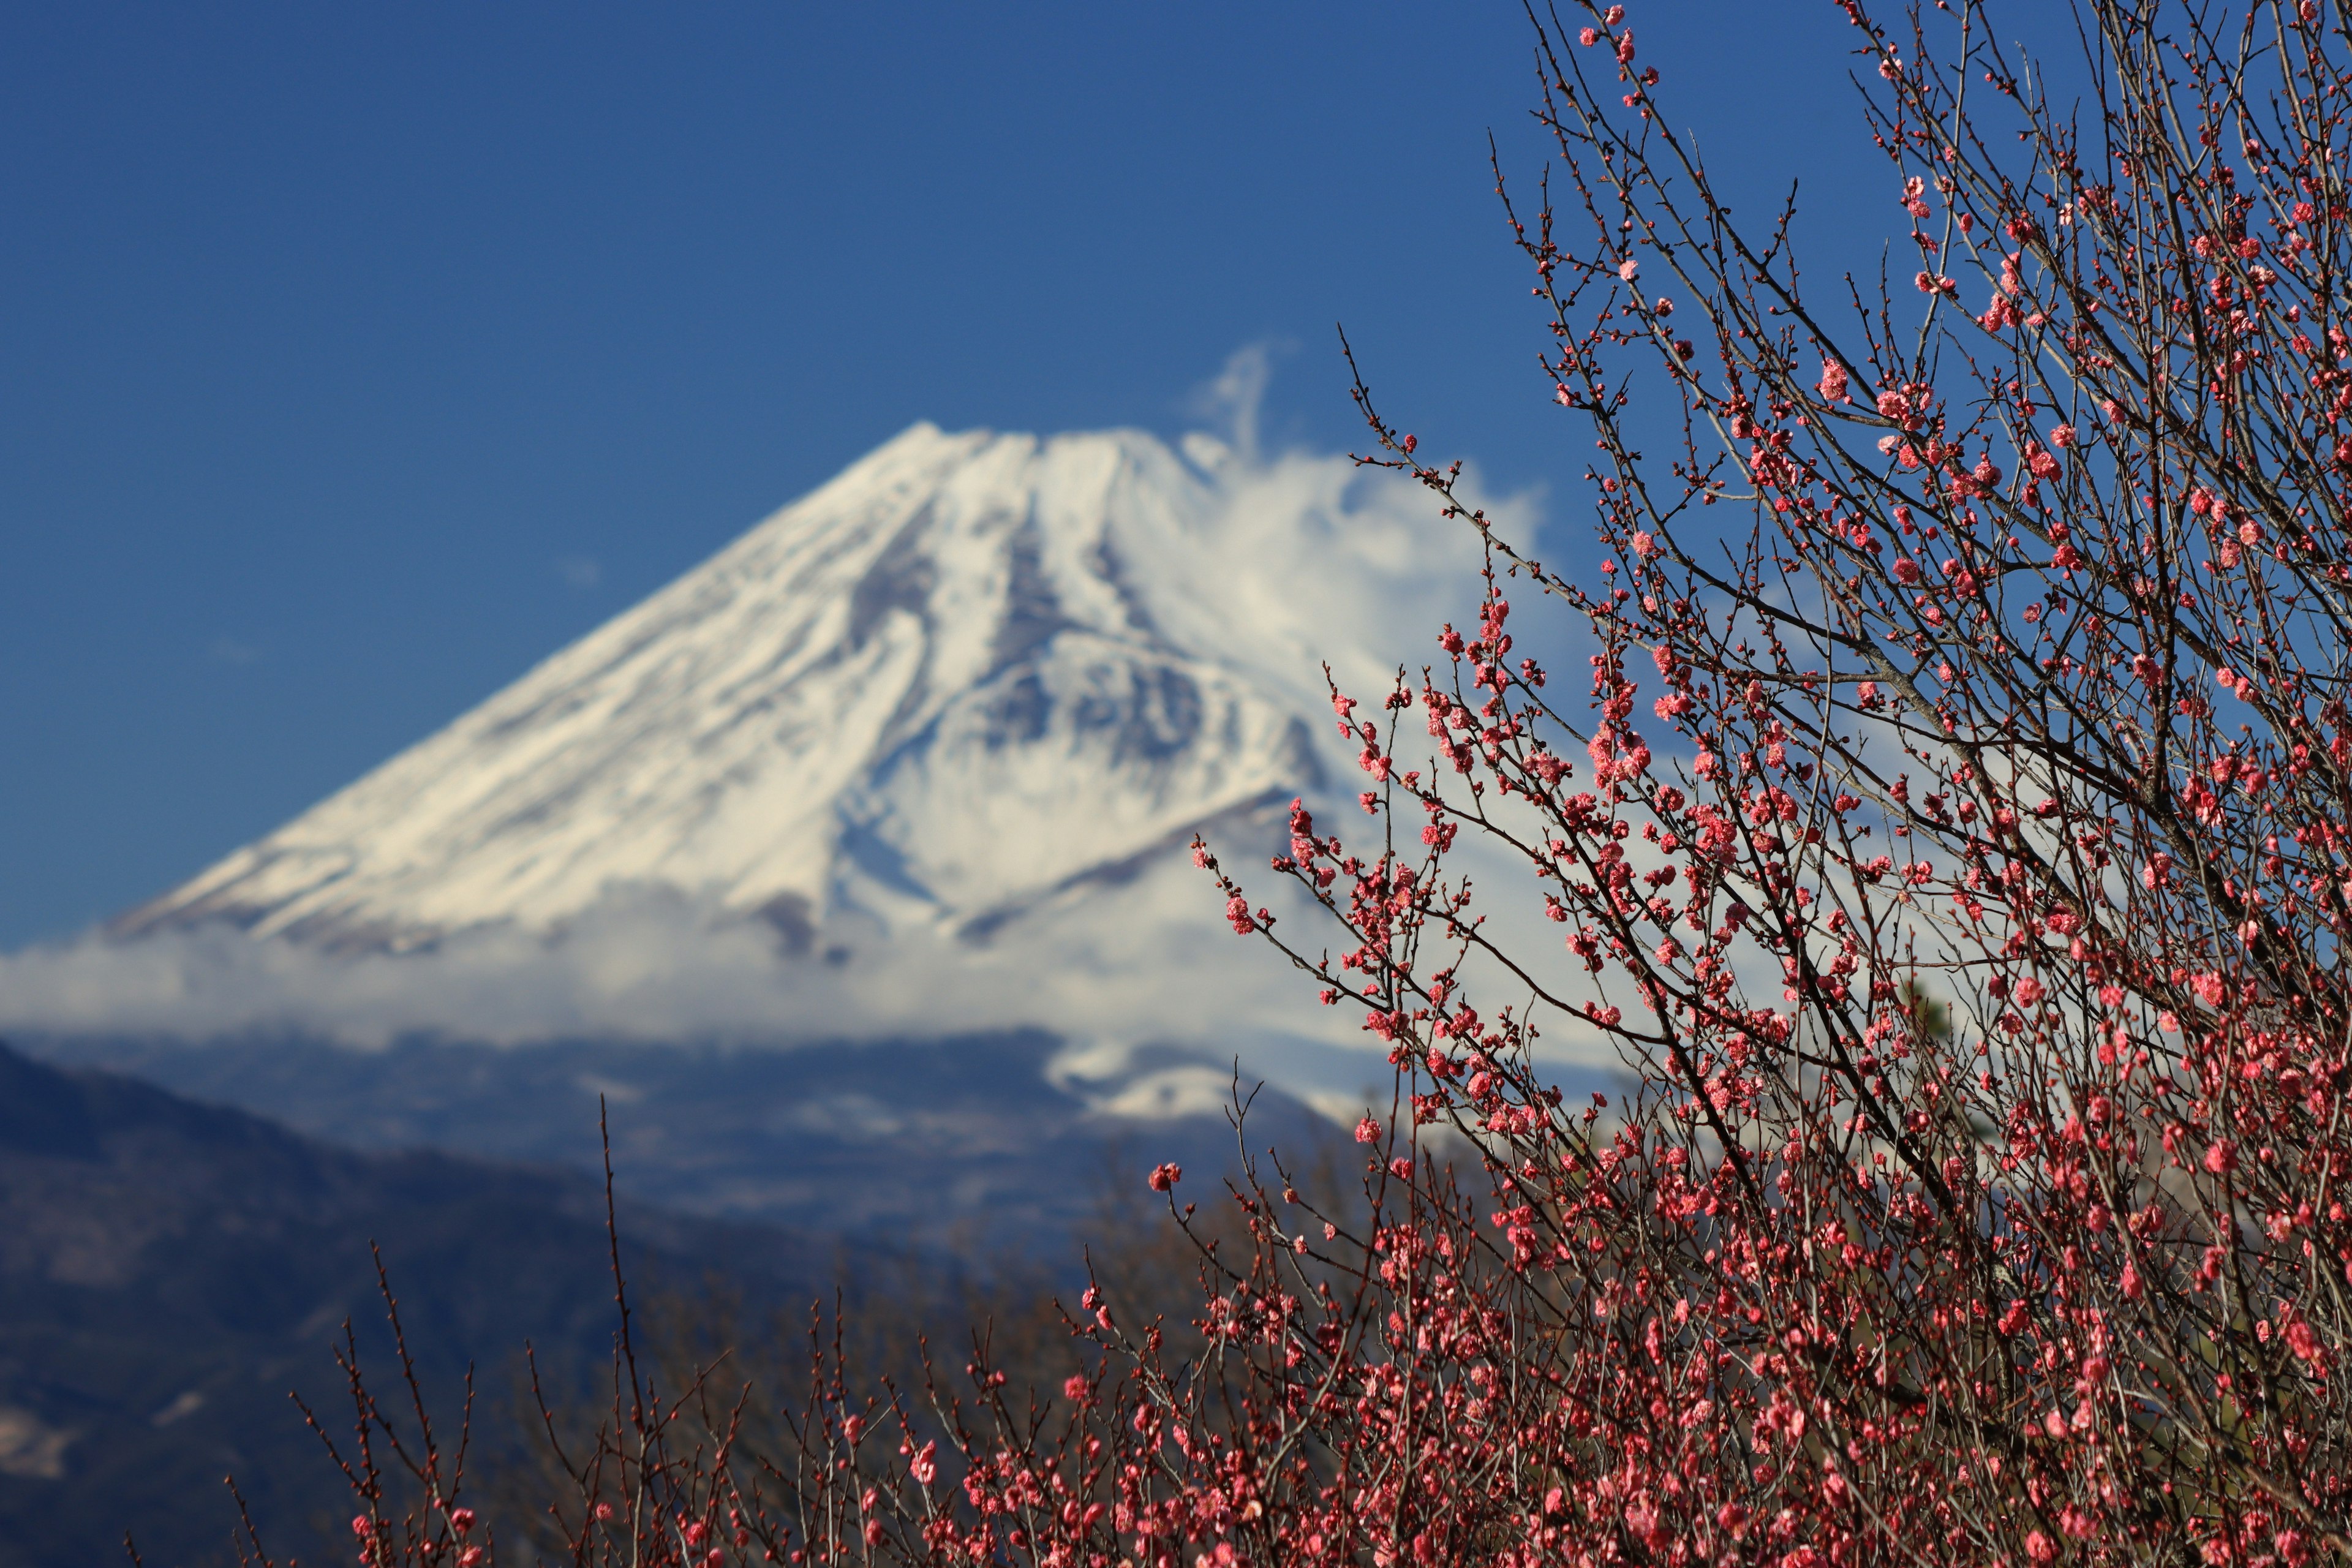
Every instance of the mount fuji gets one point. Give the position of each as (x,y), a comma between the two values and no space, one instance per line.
(974,675)
(850,861)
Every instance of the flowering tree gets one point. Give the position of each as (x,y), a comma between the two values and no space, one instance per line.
(1957,843)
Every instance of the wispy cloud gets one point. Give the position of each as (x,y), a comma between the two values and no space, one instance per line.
(227,649)
(1230,401)
(1148,964)
(581,571)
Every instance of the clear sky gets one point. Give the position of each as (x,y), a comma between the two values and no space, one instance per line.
(354,358)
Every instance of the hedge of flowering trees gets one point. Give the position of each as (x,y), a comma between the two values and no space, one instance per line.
(1953,831)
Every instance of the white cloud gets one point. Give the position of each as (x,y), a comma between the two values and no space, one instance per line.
(1233,397)
(1148,963)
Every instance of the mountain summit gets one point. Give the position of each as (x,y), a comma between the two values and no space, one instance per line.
(974,673)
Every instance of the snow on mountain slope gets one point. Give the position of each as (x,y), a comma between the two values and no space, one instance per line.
(973,674)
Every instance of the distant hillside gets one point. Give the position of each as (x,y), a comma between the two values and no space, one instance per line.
(977,1137)
(170,1270)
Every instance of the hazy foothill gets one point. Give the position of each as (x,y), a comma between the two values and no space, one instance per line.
(1100,1000)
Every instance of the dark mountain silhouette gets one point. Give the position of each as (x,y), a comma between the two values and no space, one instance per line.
(170,1270)
(975,1138)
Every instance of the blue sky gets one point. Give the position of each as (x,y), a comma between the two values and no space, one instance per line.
(355,358)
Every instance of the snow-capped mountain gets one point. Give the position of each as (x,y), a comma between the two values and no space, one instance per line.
(973,674)
(848,867)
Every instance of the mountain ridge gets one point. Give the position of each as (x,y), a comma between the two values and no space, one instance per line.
(169,1270)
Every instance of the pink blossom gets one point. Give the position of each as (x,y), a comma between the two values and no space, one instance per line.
(1692,1278)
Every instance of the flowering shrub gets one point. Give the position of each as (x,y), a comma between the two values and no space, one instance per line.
(1955,838)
